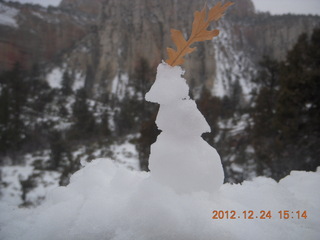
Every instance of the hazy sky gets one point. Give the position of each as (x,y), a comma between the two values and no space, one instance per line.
(273,6)
(288,6)
(40,2)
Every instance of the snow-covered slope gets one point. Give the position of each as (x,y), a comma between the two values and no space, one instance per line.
(232,65)
(8,16)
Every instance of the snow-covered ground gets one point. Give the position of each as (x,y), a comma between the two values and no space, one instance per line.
(37,182)
(105,201)
(42,181)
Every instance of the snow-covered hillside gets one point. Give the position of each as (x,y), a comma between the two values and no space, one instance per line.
(28,184)
(233,66)
(8,16)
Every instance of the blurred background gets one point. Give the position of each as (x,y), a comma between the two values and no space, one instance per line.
(73,75)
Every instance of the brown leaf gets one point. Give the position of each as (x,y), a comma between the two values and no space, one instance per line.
(199,33)
(182,47)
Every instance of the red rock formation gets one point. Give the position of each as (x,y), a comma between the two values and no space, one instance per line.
(41,35)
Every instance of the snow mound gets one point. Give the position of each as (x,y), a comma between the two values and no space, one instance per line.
(105,201)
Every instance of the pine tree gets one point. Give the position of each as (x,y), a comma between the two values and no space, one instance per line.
(84,122)
(57,147)
(13,97)
(66,84)
(104,129)
(264,132)
(286,132)
(40,94)
(298,105)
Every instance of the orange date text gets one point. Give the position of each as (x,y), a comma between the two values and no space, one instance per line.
(263,214)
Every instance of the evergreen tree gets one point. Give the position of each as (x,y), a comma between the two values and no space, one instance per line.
(142,77)
(57,147)
(286,132)
(104,129)
(264,132)
(84,122)
(128,116)
(66,84)
(298,106)
(236,96)
(227,109)
(13,97)
(40,94)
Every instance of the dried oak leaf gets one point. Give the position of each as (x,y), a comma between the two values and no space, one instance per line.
(199,33)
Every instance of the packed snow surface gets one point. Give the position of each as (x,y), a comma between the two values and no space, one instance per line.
(106,201)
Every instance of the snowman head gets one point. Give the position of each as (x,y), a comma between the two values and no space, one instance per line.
(169,85)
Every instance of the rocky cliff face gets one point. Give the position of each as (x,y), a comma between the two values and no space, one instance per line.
(106,51)
(264,34)
(91,8)
(131,31)
(32,34)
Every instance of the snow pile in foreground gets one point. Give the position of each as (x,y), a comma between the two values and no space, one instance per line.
(105,201)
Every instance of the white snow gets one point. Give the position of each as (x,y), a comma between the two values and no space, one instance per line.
(182,118)
(235,125)
(46,181)
(8,16)
(54,78)
(45,3)
(231,65)
(38,15)
(62,125)
(79,81)
(10,176)
(119,85)
(11,191)
(236,168)
(125,154)
(105,201)
(180,158)
(169,85)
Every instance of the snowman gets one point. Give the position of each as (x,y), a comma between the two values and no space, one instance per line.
(180,158)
